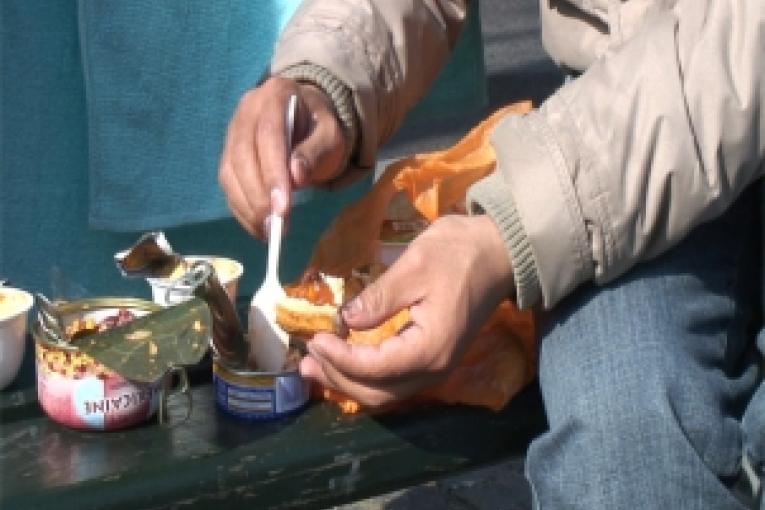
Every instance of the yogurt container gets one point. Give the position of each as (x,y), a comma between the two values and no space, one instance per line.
(167,291)
(14,309)
(77,391)
(253,395)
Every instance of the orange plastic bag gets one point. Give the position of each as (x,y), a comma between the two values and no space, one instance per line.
(502,358)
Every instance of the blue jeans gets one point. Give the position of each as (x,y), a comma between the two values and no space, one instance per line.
(645,381)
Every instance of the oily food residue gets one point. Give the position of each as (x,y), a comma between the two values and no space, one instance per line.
(83,327)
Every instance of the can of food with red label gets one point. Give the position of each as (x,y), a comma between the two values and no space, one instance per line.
(78,391)
(254,395)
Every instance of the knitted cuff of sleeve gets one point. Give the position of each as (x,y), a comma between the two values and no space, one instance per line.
(491,196)
(339,94)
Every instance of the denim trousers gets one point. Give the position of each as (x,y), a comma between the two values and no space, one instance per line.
(650,382)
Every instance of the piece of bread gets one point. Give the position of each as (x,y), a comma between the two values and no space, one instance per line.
(299,318)
(385,330)
(312,306)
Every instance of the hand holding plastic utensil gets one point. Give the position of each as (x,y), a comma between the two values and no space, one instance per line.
(268,341)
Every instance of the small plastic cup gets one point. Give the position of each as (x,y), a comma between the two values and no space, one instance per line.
(167,292)
(14,309)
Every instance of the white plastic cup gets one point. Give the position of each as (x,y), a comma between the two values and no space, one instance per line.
(14,309)
(166,291)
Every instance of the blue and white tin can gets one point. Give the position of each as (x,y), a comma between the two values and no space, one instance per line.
(253,395)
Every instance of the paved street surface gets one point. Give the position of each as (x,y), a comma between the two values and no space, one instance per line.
(492,488)
(517,68)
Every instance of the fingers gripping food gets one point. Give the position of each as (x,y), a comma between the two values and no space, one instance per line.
(313,306)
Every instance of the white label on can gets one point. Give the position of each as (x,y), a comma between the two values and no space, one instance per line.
(86,391)
(245,402)
(250,395)
(249,406)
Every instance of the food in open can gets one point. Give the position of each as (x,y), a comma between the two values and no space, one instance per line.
(76,390)
(255,395)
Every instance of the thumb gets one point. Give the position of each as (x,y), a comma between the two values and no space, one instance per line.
(317,159)
(394,290)
(321,144)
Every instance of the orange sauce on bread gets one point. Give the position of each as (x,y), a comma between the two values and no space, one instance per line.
(312,288)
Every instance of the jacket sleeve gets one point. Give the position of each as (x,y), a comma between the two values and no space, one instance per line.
(387,53)
(660,134)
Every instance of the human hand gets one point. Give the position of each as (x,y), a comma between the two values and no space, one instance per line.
(451,277)
(256,172)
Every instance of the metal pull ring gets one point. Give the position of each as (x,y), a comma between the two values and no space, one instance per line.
(168,394)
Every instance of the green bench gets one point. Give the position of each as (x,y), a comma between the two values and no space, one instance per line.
(314,459)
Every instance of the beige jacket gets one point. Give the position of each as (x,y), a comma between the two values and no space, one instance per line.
(662,132)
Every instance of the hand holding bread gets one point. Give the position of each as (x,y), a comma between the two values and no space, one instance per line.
(447,282)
